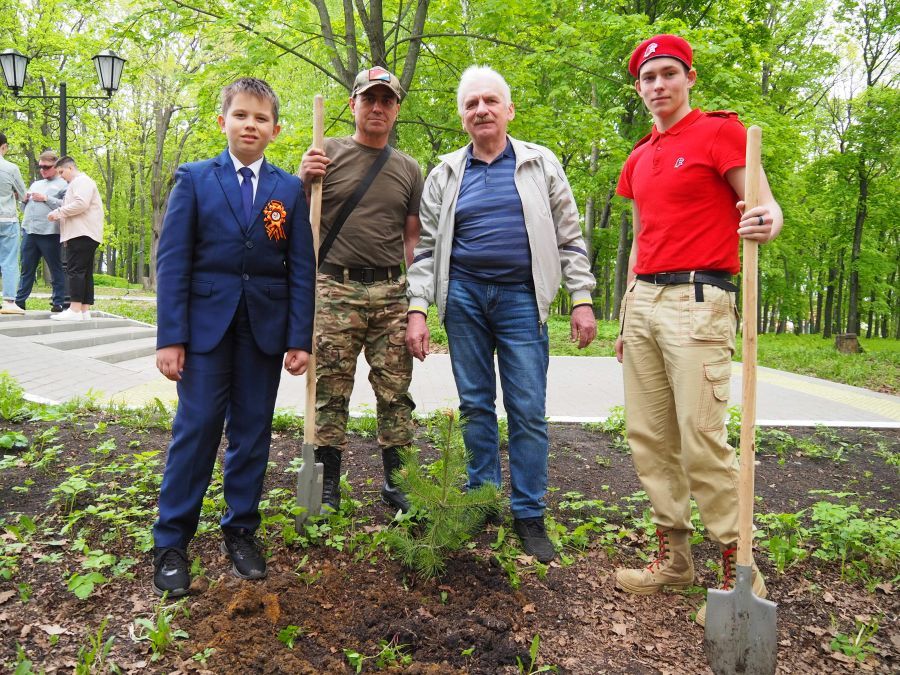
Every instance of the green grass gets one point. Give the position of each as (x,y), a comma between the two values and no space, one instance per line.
(103,285)
(131,309)
(877,368)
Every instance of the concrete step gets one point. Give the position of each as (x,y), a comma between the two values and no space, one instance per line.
(79,339)
(19,326)
(116,352)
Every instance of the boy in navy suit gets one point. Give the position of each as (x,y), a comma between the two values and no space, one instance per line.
(235,282)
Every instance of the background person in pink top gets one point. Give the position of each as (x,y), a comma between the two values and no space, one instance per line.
(80,232)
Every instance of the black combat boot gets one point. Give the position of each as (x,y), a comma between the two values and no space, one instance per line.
(390,493)
(330,457)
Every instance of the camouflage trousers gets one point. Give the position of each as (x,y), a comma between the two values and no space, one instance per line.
(353,317)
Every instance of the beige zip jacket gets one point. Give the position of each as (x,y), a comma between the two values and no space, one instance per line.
(551,220)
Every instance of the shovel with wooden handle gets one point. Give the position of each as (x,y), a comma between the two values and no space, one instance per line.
(309,477)
(740,627)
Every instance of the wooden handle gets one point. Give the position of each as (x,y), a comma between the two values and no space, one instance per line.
(748,397)
(315,219)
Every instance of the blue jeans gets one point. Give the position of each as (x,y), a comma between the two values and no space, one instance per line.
(483,319)
(35,247)
(9,257)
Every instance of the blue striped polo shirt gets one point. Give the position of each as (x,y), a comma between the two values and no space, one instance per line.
(490,243)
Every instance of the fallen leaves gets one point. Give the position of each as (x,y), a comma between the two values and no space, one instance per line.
(53,629)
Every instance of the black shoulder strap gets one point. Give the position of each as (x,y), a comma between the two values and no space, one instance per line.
(351,203)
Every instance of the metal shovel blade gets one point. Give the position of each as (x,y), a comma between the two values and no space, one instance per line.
(309,485)
(740,629)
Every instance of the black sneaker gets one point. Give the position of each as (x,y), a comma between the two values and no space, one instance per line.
(170,572)
(534,538)
(245,551)
(56,309)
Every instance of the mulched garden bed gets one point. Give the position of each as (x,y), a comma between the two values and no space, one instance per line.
(472,619)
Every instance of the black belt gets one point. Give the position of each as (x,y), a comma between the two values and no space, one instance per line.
(363,275)
(711,277)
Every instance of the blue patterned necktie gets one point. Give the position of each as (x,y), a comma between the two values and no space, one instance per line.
(247,191)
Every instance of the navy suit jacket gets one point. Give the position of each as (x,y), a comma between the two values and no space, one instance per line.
(209,255)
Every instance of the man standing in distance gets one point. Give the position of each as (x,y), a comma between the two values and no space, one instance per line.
(81,232)
(500,230)
(361,290)
(41,236)
(686,183)
(12,191)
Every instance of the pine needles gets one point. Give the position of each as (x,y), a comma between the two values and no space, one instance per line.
(444,515)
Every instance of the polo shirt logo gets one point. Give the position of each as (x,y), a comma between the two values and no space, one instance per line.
(650,49)
(679,162)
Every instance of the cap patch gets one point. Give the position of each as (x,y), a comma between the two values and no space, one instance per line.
(379,74)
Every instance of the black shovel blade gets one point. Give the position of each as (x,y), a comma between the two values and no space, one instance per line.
(741,630)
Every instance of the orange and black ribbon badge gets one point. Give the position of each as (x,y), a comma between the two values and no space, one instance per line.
(275,215)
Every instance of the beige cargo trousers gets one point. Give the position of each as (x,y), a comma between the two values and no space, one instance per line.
(677,372)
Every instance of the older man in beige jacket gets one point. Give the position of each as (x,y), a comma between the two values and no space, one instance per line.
(500,231)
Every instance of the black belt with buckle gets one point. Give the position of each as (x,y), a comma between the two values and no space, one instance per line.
(363,275)
(711,277)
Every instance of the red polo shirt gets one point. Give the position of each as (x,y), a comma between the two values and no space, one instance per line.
(687,208)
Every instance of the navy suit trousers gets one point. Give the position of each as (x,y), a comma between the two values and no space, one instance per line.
(235,384)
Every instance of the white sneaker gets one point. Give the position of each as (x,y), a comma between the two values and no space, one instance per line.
(67,315)
(86,315)
(9,307)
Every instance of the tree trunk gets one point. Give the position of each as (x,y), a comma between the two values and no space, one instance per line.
(837,324)
(817,324)
(607,281)
(847,343)
(861,212)
(871,318)
(622,252)
(829,303)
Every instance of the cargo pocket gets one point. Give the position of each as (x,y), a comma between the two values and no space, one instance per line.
(714,397)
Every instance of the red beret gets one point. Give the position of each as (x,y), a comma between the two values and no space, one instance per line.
(657,46)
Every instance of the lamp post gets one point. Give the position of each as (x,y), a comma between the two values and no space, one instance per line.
(109,71)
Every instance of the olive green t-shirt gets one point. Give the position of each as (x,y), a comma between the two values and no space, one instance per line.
(372,235)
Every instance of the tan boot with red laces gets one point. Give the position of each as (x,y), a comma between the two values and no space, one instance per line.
(672,568)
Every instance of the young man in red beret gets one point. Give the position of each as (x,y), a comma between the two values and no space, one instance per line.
(678,318)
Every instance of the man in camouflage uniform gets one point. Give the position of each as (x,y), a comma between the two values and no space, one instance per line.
(361,300)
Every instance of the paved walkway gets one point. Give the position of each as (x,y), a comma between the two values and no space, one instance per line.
(580,388)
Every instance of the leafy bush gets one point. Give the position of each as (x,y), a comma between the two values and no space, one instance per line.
(614,425)
(13,406)
(863,542)
(784,538)
(110,281)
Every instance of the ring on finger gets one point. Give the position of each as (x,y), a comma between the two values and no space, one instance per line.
(762,221)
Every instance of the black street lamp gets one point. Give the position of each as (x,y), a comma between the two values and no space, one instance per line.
(109,71)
